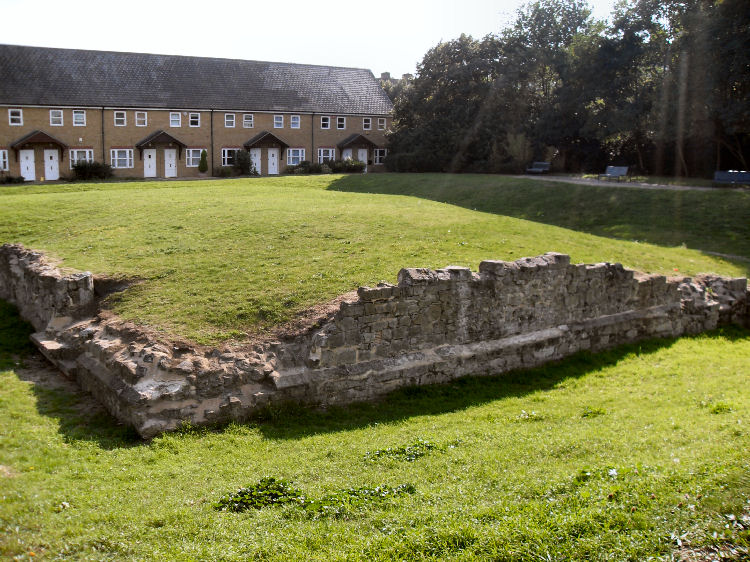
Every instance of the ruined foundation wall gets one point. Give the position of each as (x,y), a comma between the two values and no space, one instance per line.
(40,290)
(433,326)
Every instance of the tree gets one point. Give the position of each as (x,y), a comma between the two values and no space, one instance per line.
(665,87)
(243,164)
(203,163)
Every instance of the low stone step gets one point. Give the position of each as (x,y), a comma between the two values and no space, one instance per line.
(53,350)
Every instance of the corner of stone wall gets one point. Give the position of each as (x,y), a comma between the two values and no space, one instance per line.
(39,290)
(433,326)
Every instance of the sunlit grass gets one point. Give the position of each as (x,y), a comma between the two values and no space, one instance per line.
(615,456)
(219,259)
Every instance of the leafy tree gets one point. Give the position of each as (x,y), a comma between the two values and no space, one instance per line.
(663,88)
(203,162)
(242,163)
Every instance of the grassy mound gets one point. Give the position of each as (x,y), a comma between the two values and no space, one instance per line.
(220,259)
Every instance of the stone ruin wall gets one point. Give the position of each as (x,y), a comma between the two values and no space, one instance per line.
(432,327)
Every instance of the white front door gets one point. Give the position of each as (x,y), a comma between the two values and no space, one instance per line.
(362,156)
(51,164)
(273,161)
(28,170)
(346,154)
(149,163)
(255,159)
(170,162)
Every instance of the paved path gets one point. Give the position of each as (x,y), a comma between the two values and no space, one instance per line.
(633,184)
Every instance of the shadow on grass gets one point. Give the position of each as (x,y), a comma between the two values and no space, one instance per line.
(80,418)
(705,221)
(296,422)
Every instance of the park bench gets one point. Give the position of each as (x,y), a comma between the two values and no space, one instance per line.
(614,172)
(538,168)
(732,176)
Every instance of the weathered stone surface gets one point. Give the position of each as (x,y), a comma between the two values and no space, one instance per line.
(433,327)
(39,290)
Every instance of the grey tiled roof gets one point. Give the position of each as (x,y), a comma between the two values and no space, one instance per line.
(71,77)
(264,136)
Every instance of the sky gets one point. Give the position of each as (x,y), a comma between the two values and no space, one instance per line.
(381,35)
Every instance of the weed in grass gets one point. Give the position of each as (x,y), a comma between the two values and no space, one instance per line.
(529,416)
(345,502)
(267,492)
(407,453)
(270,492)
(720,408)
(589,412)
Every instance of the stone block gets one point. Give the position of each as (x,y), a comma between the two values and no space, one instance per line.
(458,273)
(415,276)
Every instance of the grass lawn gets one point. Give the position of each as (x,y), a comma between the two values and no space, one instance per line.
(220,259)
(634,453)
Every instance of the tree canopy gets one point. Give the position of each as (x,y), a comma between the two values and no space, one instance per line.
(662,86)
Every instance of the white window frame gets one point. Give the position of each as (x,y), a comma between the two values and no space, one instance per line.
(367,123)
(79,117)
(325,124)
(229,121)
(197,117)
(191,160)
(326,155)
(381,123)
(141,118)
(294,122)
(379,155)
(56,118)
(121,116)
(115,158)
(15,114)
(3,160)
(225,159)
(278,121)
(341,122)
(248,120)
(74,156)
(299,156)
(175,119)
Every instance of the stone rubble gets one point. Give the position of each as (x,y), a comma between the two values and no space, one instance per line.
(433,326)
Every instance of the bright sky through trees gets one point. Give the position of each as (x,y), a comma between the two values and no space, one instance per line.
(387,35)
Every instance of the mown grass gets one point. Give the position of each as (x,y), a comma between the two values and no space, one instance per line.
(717,220)
(621,456)
(219,259)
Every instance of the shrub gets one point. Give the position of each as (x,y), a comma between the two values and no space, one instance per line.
(242,163)
(223,172)
(335,166)
(91,171)
(203,164)
(354,166)
(11,179)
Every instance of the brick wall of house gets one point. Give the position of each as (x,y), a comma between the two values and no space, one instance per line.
(100,134)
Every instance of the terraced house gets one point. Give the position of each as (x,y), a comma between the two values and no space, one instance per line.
(152,115)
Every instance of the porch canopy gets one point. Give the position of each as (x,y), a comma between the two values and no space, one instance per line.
(160,137)
(265,139)
(356,140)
(38,137)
